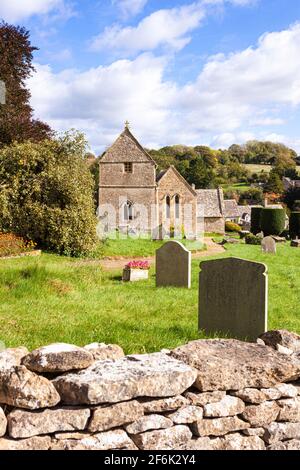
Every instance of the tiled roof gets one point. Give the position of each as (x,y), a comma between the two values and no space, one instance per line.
(212,200)
(231,208)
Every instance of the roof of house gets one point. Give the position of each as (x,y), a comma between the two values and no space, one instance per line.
(231,208)
(126,148)
(212,200)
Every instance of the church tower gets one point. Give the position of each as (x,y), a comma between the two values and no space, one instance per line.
(128,183)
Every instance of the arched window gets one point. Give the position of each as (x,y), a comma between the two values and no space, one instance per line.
(128,211)
(177,207)
(168,207)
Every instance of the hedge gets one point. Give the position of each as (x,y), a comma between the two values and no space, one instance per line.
(232,227)
(295,225)
(255,219)
(272,221)
(251,239)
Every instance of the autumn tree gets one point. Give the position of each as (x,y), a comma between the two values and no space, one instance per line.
(16,115)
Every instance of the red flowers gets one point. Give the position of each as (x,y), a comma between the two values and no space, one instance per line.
(137,265)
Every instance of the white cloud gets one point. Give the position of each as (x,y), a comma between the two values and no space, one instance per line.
(18,10)
(130,7)
(232,94)
(168,27)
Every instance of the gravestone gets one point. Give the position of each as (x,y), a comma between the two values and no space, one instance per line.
(173,265)
(268,245)
(233,298)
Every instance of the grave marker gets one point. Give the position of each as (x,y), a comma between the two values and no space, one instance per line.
(233,298)
(268,245)
(173,265)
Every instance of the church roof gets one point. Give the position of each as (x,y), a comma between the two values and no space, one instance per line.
(126,148)
(212,201)
(161,174)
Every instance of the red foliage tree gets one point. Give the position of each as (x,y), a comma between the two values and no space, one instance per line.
(16,115)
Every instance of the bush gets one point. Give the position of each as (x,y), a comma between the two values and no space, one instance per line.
(251,239)
(272,221)
(255,219)
(11,245)
(232,227)
(49,194)
(295,225)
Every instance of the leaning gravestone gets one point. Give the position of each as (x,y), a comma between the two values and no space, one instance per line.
(173,265)
(268,245)
(233,298)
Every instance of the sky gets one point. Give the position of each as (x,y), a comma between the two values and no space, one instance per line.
(203,72)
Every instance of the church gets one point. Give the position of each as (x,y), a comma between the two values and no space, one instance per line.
(134,196)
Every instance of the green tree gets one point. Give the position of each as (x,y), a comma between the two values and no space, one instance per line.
(48,194)
(274,183)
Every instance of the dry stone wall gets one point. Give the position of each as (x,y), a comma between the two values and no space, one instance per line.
(205,395)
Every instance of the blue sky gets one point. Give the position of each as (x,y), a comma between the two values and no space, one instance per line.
(208,72)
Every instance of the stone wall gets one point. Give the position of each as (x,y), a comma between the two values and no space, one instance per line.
(205,395)
(214,225)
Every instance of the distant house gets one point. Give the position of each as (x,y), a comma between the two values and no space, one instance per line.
(235,213)
(231,210)
(288,183)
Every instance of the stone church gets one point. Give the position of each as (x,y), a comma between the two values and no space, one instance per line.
(134,196)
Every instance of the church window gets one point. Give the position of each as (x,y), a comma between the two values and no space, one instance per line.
(128,167)
(177,207)
(168,206)
(128,211)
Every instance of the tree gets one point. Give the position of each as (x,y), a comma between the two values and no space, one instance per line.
(201,175)
(16,115)
(47,194)
(274,184)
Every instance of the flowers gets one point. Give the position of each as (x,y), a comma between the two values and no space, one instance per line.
(138,265)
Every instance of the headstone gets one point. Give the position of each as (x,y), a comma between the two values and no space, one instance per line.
(268,245)
(173,265)
(233,298)
(279,239)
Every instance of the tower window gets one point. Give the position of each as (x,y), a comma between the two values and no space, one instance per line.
(128,167)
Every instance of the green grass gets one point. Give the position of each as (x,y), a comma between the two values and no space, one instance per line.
(130,247)
(241,187)
(59,299)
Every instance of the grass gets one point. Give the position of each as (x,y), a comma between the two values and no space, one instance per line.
(135,247)
(241,187)
(255,168)
(56,298)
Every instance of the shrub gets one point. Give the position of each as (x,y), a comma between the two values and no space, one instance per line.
(272,221)
(251,239)
(49,194)
(255,219)
(11,245)
(295,225)
(232,227)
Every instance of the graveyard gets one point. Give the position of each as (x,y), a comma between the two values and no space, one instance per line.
(60,299)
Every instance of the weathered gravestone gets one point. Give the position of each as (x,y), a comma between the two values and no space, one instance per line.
(268,245)
(173,265)
(233,298)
